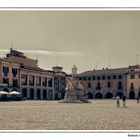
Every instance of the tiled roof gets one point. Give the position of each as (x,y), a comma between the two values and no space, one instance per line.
(6,60)
(105,72)
(35,69)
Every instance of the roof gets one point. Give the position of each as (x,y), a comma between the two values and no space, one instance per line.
(105,72)
(35,69)
(7,60)
(15,51)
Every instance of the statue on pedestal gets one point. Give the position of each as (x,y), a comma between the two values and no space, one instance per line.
(74,90)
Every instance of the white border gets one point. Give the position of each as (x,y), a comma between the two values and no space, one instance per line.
(69,3)
(65,134)
(68,9)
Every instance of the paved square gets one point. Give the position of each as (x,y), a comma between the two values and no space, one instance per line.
(51,115)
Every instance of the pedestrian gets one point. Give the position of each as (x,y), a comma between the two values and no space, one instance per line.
(138,98)
(118,101)
(124,100)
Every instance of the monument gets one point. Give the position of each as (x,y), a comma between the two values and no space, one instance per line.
(74,90)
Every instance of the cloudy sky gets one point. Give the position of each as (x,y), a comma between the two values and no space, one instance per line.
(88,39)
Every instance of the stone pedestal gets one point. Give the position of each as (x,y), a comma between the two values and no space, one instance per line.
(74,92)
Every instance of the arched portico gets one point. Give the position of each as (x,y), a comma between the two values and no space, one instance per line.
(38,94)
(98,95)
(44,94)
(108,95)
(132,94)
(90,95)
(24,93)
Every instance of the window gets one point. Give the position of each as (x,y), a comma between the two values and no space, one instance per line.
(114,76)
(31,80)
(23,79)
(132,86)
(15,82)
(5,70)
(44,81)
(14,71)
(120,77)
(62,78)
(132,76)
(120,85)
(98,86)
(93,78)
(98,77)
(84,78)
(5,80)
(56,83)
(63,83)
(109,77)
(89,78)
(103,77)
(55,78)
(108,85)
(38,80)
(80,78)
(50,82)
(89,85)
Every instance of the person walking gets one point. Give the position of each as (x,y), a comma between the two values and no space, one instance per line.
(118,101)
(124,100)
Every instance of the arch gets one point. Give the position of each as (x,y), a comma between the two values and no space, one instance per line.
(44,94)
(50,94)
(108,95)
(38,94)
(24,93)
(90,95)
(5,89)
(98,95)
(32,94)
(132,94)
(120,94)
(56,96)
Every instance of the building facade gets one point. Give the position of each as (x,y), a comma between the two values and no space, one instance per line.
(133,82)
(9,75)
(20,73)
(108,83)
(36,83)
(59,82)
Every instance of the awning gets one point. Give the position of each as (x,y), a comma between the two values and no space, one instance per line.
(4,93)
(14,93)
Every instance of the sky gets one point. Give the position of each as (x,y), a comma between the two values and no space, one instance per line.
(88,39)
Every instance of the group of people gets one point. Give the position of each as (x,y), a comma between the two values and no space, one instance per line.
(123,100)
